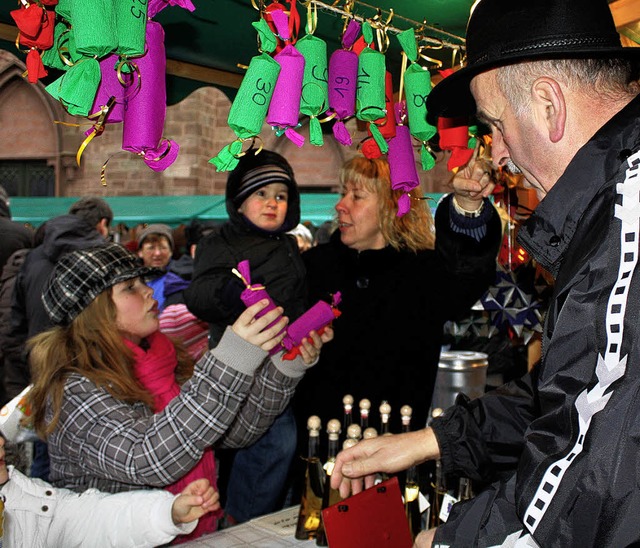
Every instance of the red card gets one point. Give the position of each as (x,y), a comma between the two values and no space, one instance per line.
(374,518)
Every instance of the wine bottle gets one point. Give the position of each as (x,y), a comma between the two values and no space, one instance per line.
(364,406)
(385,412)
(311,501)
(438,485)
(411,486)
(330,496)
(354,432)
(347,420)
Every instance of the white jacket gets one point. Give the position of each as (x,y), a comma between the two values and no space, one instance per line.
(36,514)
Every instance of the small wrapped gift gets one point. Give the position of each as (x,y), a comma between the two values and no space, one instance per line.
(314,99)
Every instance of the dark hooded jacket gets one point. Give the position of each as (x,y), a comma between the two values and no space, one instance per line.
(274,260)
(13,236)
(569,431)
(28,316)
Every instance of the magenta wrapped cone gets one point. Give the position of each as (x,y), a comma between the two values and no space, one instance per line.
(284,108)
(155,6)
(402,164)
(343,82)
(110,87)
(254,293)
(145,109)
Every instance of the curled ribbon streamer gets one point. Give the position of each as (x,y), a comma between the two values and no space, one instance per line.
(103,171)
(135,69)
(98,126)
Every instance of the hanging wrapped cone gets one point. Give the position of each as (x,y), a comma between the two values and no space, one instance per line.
(454,136)
(145,112)
(284,107)
(370,95)
(314,99)
(94,26)
(343,82)
(417,82)
(109,87)
(131,22)
(76,88)
(63,9)
(386,125)
(250,106)
(402,165)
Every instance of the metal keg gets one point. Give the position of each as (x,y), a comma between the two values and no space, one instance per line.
(459,371)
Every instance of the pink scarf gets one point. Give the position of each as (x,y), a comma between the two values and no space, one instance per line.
(155,369)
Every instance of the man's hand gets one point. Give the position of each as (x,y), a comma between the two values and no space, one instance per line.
(389,454)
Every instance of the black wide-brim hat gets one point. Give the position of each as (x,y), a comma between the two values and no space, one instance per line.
(503,32)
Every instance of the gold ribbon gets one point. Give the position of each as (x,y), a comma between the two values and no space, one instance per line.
(98,126)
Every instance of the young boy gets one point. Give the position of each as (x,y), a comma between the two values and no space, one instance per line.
(263,203)
(37,515)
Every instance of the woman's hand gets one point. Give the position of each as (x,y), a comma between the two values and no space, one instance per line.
(473,182)
(259,331)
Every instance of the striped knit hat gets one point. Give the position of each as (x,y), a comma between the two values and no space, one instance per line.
(257,170)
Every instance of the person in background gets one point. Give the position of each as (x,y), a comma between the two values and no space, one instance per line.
(155,248)
(176,321)
(120,406)
(16,237)
(303,237)
(400,279)
(38,515)
(263,203)
(86,225)
(561,98)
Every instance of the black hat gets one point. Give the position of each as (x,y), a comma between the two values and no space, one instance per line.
(80,276)
(503,32)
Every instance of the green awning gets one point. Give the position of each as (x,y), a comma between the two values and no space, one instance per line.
(172,210)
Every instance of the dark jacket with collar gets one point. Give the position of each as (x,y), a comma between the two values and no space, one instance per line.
(28,317)
(570,429)
(394,304)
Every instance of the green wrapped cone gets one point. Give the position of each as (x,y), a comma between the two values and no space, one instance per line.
(417,85)
(409,45)
(94,26)
(370,98)
(131,23)
(227,158)
(315,132)
(249,108)
(76,88)
(427,159)
(315,89)
(63,9)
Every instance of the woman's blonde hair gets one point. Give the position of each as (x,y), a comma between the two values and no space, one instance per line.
(93,347)
(412,231)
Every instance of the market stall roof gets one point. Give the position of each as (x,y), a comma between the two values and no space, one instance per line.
(206,46)
(172,210)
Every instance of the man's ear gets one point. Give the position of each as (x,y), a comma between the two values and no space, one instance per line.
(548,101)
(103,227)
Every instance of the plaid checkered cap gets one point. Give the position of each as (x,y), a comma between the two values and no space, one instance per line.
(80,276)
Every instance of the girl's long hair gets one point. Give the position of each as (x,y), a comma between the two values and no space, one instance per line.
(93,347)
(413,231)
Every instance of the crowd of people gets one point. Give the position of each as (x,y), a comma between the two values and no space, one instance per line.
(165,406)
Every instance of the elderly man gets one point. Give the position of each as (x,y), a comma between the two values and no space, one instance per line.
(557,90)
